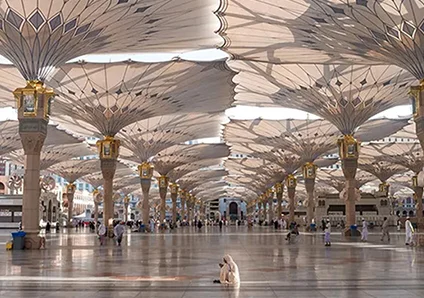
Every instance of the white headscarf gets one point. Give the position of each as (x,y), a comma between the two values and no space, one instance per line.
(233,271)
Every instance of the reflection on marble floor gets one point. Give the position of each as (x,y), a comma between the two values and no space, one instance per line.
(183,264)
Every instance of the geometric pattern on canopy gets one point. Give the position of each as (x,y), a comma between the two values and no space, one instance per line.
(178,155)
(72,170)
(307,138)
(186,169)
(101,99)
(345,95)
(39,35)
(371,161)
(144,139)
(320,31)
(53,154)
(336,178)
(10,139)
(409,155)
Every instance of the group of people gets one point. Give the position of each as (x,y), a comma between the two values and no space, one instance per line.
(118,233)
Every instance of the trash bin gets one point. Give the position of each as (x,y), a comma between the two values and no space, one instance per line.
(18,240)
(313,227)
(142,228)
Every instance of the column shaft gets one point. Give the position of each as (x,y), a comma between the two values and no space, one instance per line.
(291,191)
(349,167)
(108,167)
(310,212)
(162,193)
(145,187)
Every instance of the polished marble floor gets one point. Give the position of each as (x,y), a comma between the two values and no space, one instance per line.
(184,263)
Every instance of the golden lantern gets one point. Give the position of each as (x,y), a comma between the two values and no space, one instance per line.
(309,170)
(174,188)
(108,148)
(348,147)
(70,188)
(278,187)
(415,181)
(291,181)
(415,93)
(163,181)
(383,187)
(34,101)
(269,193)
(145,170)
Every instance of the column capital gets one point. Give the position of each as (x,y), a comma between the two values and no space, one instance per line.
(108,148)
(145,170)
(348,147)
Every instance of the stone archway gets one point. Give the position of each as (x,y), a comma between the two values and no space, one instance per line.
(2,188)
(233,210)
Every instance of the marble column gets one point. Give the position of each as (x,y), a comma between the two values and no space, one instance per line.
(310,211)
(145,171)
(70,192)
(271,212)
(145,188)
(264,205)
(108,167)
(183,204)
(163,189)
(417,93)
(349,169)
(33,104)
(126,205)
(174,196)
(419,197)
(349,154)
(279,194)
(291,183)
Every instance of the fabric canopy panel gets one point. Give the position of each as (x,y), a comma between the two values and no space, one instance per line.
(102,99)
(325,31)
(144,139)
(178,155)
(347,96)
(10,139)
(72,170)
(53,154)
(40,35)
(309,139)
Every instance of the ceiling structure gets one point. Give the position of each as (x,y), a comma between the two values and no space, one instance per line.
(144,139)
(345,95)
(102,99)
(40,35)
(325,31)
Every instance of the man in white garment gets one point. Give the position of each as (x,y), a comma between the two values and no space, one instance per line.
(364,236)
(409,231)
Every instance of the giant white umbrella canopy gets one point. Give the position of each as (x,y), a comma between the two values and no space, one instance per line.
(185,169)
(309,139)
(325,31)
(10,138)
(71,171)
(53,154)
(40,35)
(144,139)
(102,99)
(345,95)
(147,138)
(372,161)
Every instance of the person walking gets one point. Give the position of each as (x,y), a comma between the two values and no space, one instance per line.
(364,236)
(385,229)
(119,231)
(409,231)
(327,233)
(102,233)
(220,225)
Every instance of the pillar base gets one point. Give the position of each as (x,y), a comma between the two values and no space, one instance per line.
(33,241)
(347,232)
